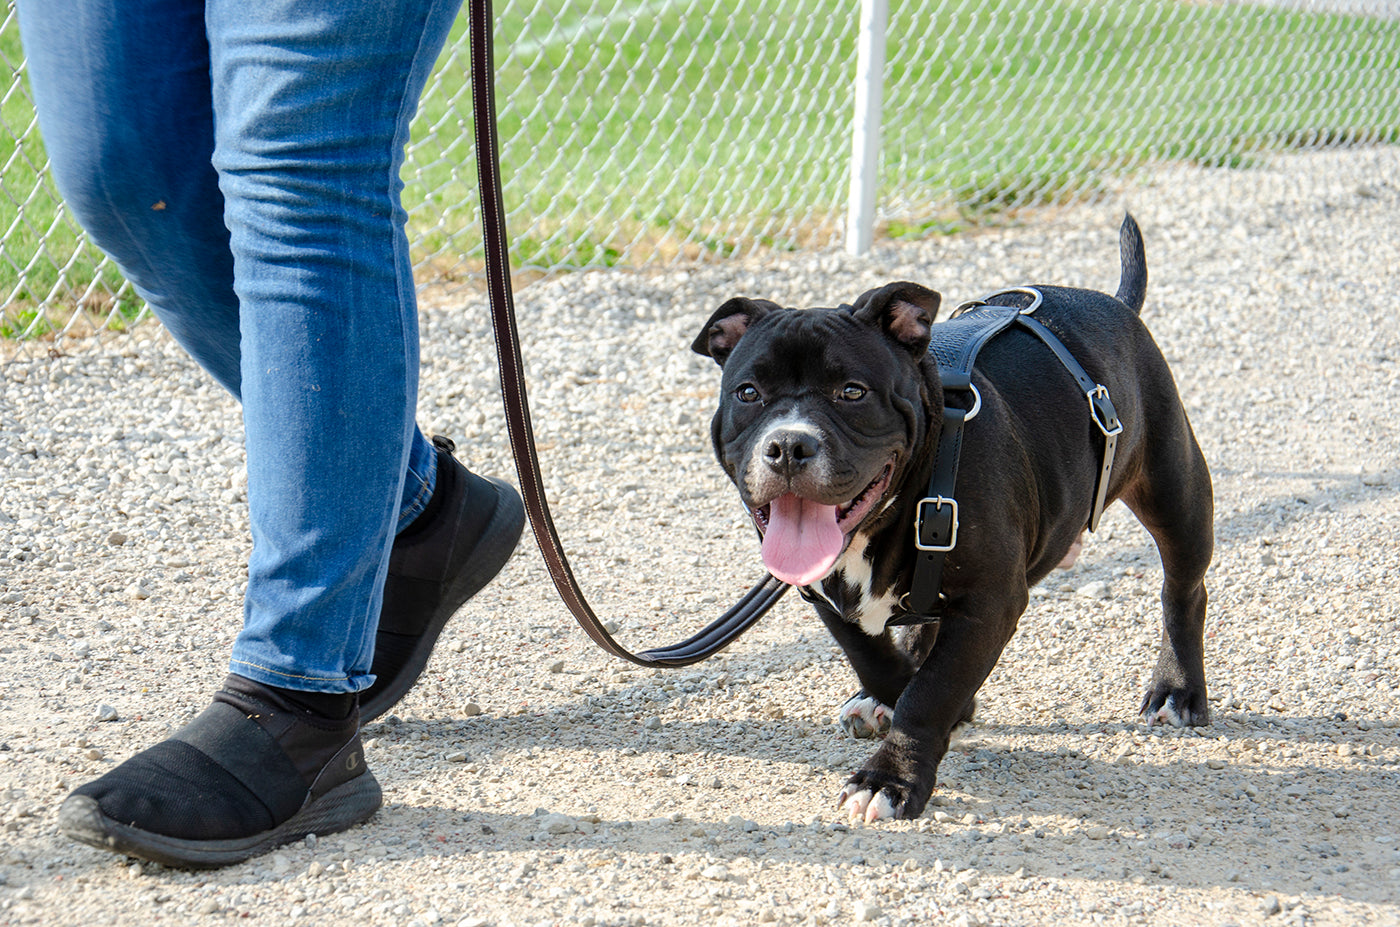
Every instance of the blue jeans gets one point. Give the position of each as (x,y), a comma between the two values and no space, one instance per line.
(239,160)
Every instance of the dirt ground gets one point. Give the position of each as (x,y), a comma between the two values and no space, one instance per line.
(531,780)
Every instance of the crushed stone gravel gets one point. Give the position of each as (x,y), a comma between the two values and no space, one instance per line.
(532,780)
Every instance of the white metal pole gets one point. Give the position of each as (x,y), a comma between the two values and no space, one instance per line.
(865,131)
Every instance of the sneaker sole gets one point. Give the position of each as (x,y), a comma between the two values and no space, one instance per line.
(343,807)
(497,544)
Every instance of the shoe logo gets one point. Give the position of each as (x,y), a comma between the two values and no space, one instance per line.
(352,762)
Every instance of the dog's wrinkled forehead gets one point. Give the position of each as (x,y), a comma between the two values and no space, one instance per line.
(807,346)
(806,329)
(899,313)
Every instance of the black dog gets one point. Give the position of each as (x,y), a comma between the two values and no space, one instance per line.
(828,423)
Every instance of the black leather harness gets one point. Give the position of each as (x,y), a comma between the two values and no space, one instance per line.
(955,346)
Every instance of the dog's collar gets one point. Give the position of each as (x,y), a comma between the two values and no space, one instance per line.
(955,346)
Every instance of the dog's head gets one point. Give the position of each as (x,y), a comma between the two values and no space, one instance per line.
(820,413)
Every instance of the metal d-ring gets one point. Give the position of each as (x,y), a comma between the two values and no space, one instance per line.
(1032,292)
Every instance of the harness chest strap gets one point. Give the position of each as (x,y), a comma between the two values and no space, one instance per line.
(936,516)
(935,523)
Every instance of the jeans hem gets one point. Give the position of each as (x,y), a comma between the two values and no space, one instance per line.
(300,682)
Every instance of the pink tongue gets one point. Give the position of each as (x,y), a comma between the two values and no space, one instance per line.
(802,541)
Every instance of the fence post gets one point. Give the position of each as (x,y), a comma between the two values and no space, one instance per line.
(865,129)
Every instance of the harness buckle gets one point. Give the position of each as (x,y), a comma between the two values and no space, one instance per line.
(1103,413)
(946,527)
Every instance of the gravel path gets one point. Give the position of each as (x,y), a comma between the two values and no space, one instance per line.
(530,780)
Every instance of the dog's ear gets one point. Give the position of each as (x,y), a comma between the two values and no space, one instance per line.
(727,326)
(904,311)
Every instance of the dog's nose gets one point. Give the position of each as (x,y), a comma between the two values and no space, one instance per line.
(789,451)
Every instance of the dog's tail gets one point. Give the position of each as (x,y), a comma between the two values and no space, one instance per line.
(1132,286)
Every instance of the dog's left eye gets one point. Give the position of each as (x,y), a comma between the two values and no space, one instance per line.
(851,392)
(747,393)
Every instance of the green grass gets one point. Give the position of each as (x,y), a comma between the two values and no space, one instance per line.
(1065,89)
(989,107)
(32,222)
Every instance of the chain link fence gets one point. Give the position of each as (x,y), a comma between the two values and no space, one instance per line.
(658,131)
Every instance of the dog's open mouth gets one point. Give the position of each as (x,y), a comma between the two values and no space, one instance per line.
(802,539)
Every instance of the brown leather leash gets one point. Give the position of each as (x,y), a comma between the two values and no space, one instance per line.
(723,630)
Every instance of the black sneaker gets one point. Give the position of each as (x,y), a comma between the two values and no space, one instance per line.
(449,554)
(255,770)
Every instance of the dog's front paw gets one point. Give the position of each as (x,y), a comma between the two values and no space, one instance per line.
(1178,707)
(872,796)
(865,716)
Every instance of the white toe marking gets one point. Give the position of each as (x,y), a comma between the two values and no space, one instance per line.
(880,809)
(1168,714)
(854,804)
(865,717)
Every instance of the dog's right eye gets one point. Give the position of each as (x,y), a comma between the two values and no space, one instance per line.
(747,393)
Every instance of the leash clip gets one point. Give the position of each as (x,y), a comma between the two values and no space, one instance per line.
(1103,413)
(948,527)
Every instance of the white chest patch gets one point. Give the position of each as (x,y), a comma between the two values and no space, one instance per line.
(876,613)
(872,612)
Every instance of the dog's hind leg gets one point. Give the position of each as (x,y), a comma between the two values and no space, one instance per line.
(1172,498)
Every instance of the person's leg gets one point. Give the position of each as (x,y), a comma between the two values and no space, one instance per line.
(125,104)
(122,93)
(312,103)
(124,99)
(326,368)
